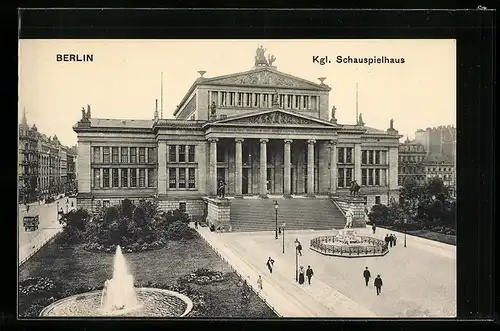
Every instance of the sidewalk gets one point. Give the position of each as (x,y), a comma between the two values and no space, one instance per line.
(280,289)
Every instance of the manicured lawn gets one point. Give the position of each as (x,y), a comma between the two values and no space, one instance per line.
(436,236)
(74,268)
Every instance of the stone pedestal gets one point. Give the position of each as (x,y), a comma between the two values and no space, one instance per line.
(218,214)
(358,206)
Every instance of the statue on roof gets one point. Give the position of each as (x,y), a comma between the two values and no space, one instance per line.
(260,57)
(333,112)
(360,120)
(88,112)
(392,123)
(271,59)
(83,113)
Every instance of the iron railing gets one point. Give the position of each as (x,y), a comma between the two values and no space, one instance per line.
(326,245)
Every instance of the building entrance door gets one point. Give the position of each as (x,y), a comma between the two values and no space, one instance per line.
(244,181)
(292,181)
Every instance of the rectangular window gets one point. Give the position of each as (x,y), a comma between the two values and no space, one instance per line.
(363,177)
(297,102)
(245,151)
(133,155)
(248,102)
(105,155)
(231,98)
(348,155)
(341,155)
(282,101)
(97,155)
(363,157)
(97,178)
(370,157)
(151,155)
(133,177)
(240,99)
(124,177)
(191,153)
(142,155)
(182,178)
(191,177)
(151,177)
(182,153)
(172,151)
(106,203)
(124,154)
(105,177)
(377,177)
(348,176)
(377,199)
(142,177)
(341,178)
(370,176)
(115,154)
(115,177)
(172,178)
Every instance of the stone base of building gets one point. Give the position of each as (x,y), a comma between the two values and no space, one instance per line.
(218,214)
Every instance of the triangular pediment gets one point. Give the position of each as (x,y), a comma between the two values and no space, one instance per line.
(276,117)
(266,77)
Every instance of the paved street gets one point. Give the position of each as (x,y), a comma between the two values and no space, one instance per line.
(29,241)
(419,280)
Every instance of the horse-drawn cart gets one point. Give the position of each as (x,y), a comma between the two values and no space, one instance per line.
(31,223)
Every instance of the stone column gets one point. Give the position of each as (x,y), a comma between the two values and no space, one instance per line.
(219,98)
(333,167)
(238,167)
(310,167)
(213,166)
(357,163)
(286,168)
(263,168)
(162,167)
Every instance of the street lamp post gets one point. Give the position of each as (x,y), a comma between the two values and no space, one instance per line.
(405,233)
(296,242)
(283,235)
(276,210)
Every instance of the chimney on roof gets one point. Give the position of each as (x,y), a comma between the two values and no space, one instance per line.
(155,116)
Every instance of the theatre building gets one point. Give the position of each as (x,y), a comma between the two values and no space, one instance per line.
(265,133)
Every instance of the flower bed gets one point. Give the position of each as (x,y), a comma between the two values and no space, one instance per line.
(203,276)
(135,247)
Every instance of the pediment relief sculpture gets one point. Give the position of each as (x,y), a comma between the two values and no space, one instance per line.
(273,118)
(263,78)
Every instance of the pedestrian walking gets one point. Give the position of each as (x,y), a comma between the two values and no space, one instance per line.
(390,240)
(196,224)
(387,239)
(366,275)
(378,284)
(299,248)
(270,264)
(309,274)
(67,201)
(27,208)
(374,227)
(301,275)
(394,239)
(259,282)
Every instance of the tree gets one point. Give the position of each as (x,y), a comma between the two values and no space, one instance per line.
(379,214)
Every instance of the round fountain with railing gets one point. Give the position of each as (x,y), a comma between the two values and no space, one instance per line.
(119,297)
(347,243)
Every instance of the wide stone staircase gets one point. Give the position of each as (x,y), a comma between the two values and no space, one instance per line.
(298,214)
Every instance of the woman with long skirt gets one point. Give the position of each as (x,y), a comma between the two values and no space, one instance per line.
(301,275)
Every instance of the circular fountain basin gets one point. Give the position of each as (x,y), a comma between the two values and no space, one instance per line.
(349,246)
(153,302)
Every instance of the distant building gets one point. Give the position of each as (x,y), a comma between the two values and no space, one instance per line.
(438,141)
(411,157)
(43,164)
(443,168)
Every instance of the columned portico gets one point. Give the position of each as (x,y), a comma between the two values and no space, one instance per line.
(213,166)
(286,168)
(333,167)
(238,167)
(263,168)
(310,167)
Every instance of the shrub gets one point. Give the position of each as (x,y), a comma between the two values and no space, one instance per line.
(179,230)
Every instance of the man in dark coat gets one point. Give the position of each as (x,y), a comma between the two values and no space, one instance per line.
(378,284)
(270,263)
(394,239)
(309,274)
(366,275)
(299,248)
(374,227)
(390,240)
(387,239)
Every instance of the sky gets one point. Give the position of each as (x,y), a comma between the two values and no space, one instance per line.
(124,79)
